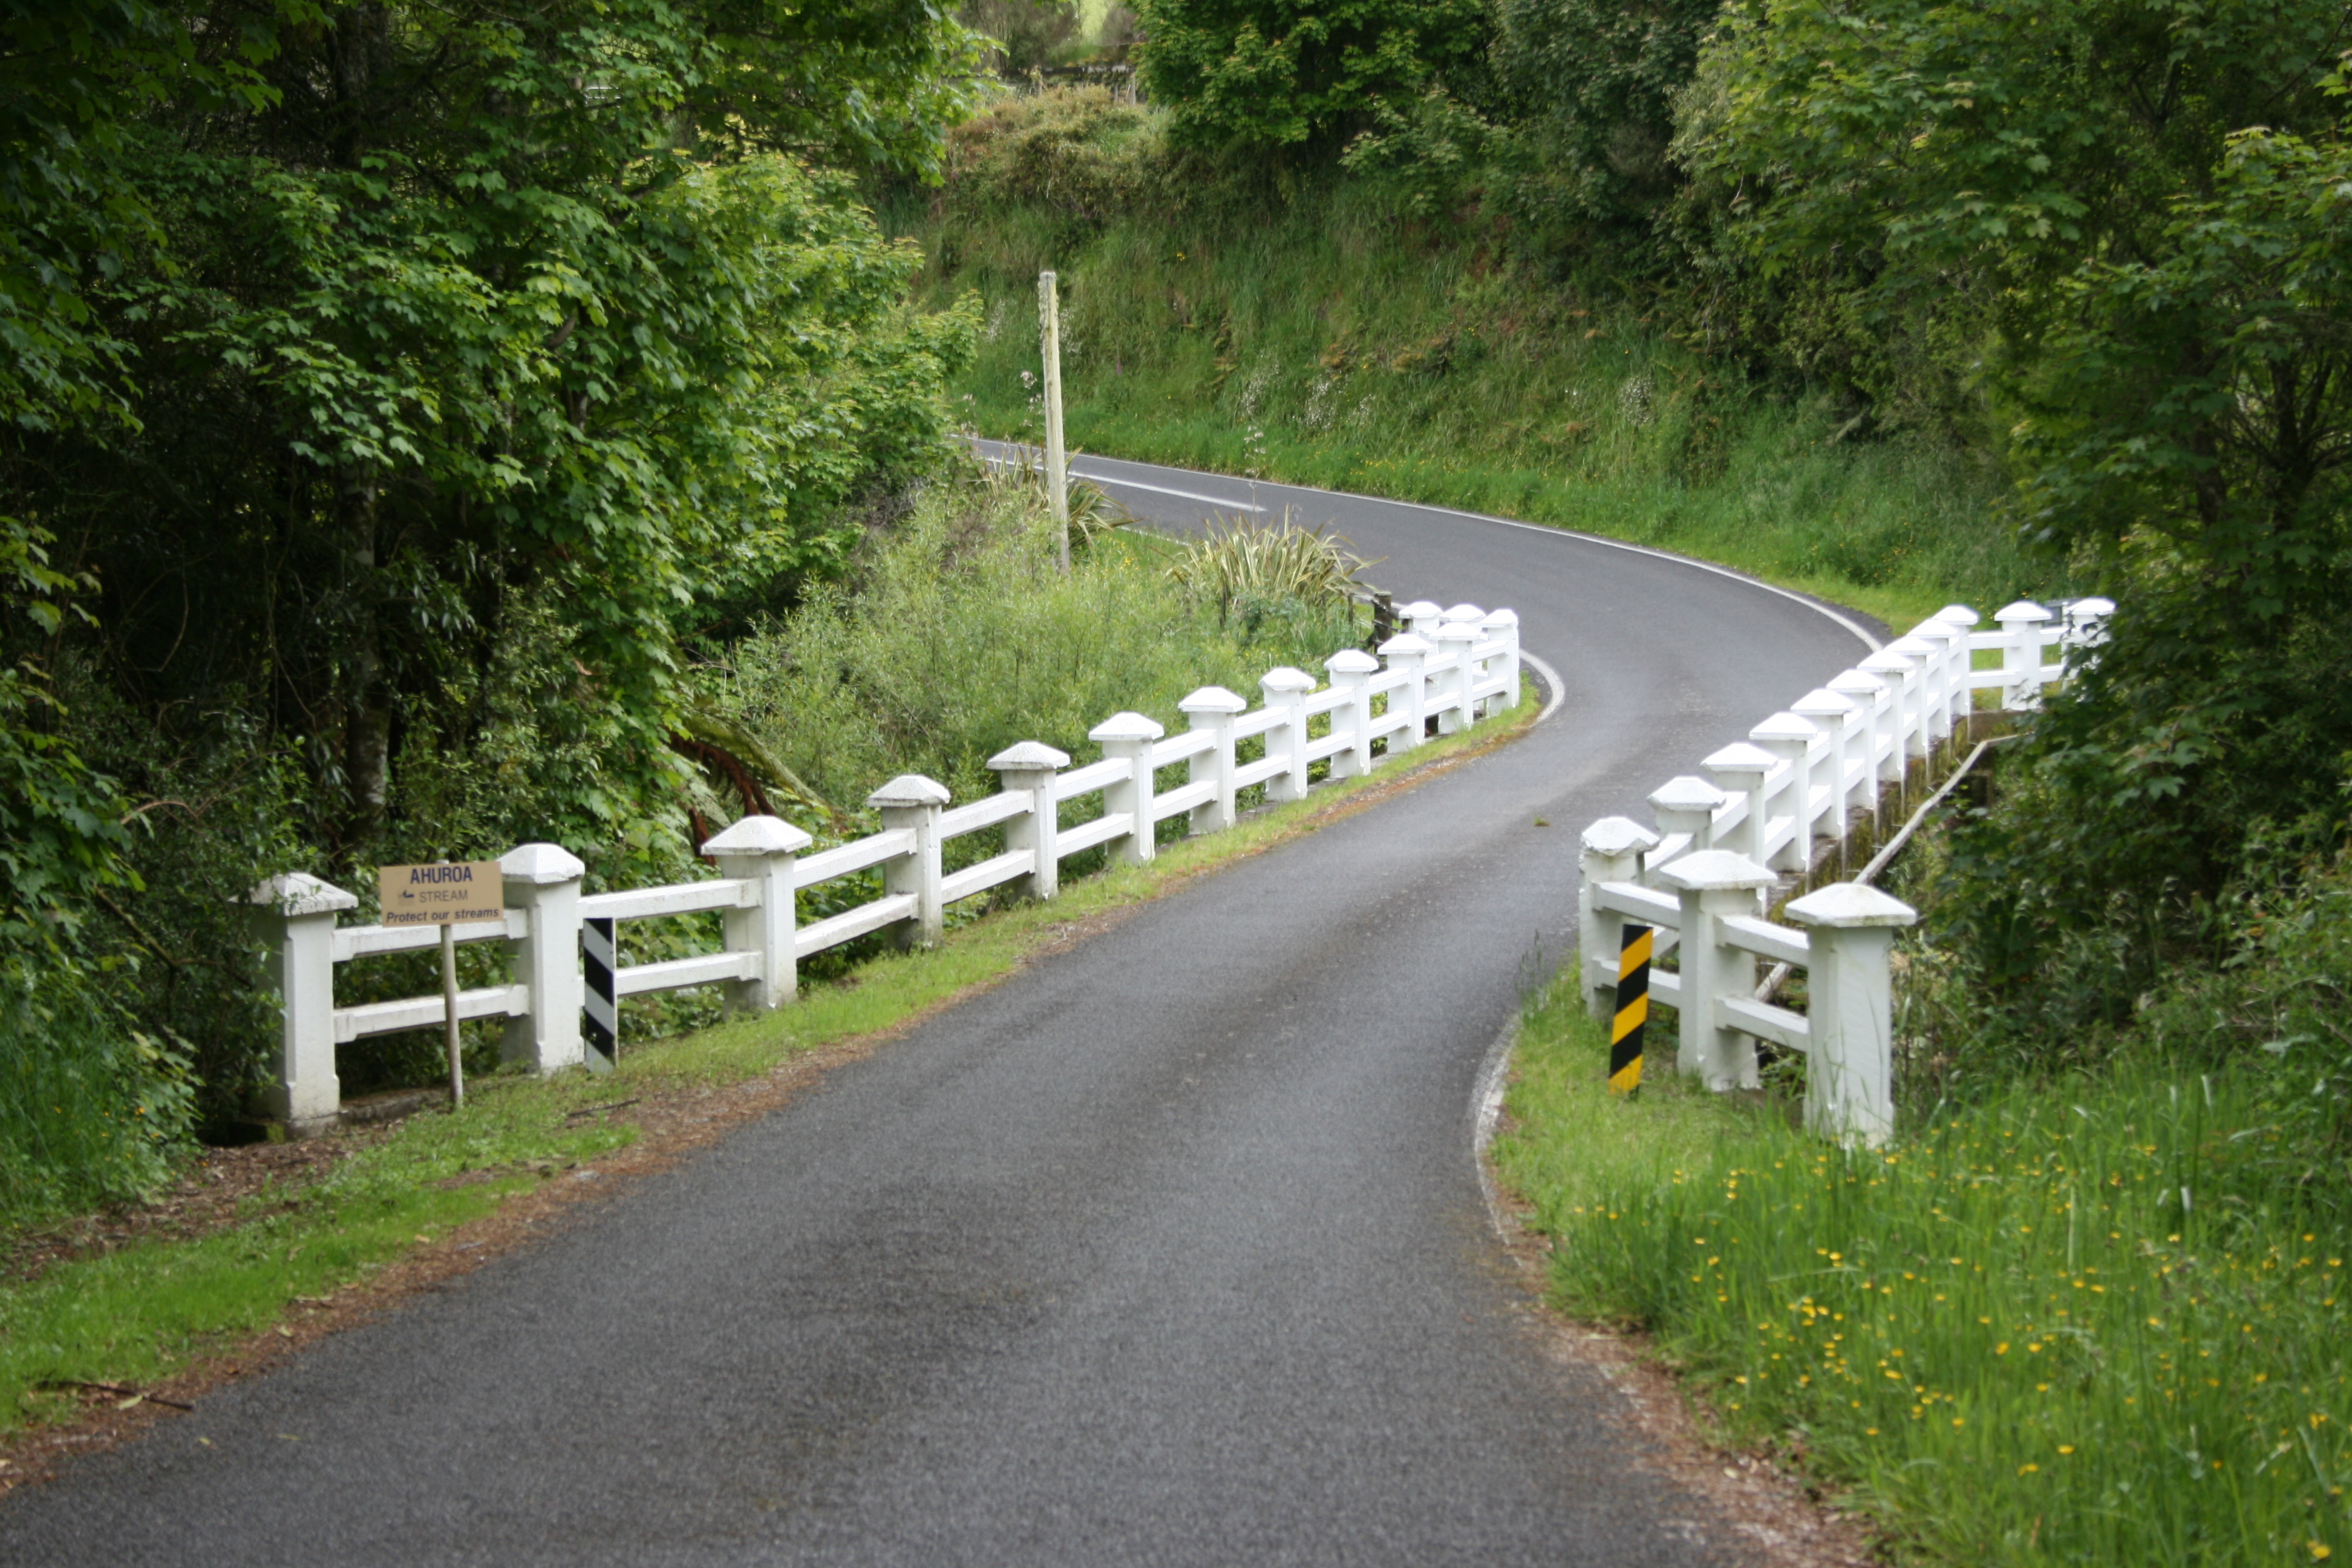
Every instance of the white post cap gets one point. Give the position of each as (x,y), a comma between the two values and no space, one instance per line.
(1740,757)
(1028,756)
(541,865)
(1213,699)
(1688,792)
(1405,642)
(1915,646)
(1127,727)
(1419,607)
(300,893)
(766,835)
(1957,615)
(1892,659)
(1458,631)
(2095,605)
(1465,612)
(1501,618)
(1352,661)
(1282,677)
(909,789)
(1844,905)
(1715,870)
(1786,727)
(1822,702)
(1857,683)
(1613,835)
(2023,610)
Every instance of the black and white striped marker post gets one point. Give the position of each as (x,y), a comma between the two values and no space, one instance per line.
(599,961)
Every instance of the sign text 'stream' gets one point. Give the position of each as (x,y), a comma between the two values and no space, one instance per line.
(441,894)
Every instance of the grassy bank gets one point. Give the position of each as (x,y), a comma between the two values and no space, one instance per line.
(2077,1318)
(151,1310)
(1313,337)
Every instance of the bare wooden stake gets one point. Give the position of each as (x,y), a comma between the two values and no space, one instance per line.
(1057,483)
(449,1015)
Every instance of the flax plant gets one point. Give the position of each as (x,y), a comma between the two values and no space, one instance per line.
(1242,565)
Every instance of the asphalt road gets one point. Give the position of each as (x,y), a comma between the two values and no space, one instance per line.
(1171,1250)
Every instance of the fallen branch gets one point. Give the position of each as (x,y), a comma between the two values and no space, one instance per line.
(592,1110)
(119,1389)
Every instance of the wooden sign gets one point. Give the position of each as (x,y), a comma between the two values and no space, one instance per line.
(441,894)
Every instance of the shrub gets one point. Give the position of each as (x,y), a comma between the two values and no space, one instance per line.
(90,1112)
(1268,75)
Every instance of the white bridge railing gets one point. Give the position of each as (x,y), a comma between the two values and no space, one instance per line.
(1799,782)
(1448,668)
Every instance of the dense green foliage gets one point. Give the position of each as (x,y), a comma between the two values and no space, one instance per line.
(1588,91)
(393,397)
(1255,77)
(2096,245)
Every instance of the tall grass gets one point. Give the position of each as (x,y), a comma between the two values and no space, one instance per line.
(956,637)
(2081,1320)
(1316,338)
(91,1112)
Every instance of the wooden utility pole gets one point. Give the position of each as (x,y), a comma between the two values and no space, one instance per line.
(1058,484)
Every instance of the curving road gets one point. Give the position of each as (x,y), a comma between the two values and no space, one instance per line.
(1171,1250)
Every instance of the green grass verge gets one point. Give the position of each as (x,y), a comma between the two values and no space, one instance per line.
(2006,1336)
(140,1315)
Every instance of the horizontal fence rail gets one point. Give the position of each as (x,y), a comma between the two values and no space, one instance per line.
(1771,806)
(1449,668)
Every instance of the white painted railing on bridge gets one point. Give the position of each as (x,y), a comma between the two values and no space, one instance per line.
(1802,779)
(1449,668)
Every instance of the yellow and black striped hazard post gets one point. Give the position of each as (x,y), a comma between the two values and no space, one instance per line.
(1632,1010)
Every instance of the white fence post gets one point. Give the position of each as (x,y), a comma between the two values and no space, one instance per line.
(1849,1026)
(1421,617)
(1351,672)
(1214,709)
(912,802)
(1962,620)
(1870,727)
(1833,715)
(1611,851)
(1714,883)
(1286,689)
(1942,639)
(1740,769)
(1789,739)
(1901,674)
(1406,652)
(1474,621)
(1029,768)
(2021,656)
(1684,806)
(1505,623)
(543,880)
(1129,735)
(1921,698)
(759,850)
(2086,623)
(295,914)
(1454,640)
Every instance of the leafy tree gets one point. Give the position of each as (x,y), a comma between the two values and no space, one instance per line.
(455,299)
(1911,139)
(1588,88)
(418,382)
(1275,76)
